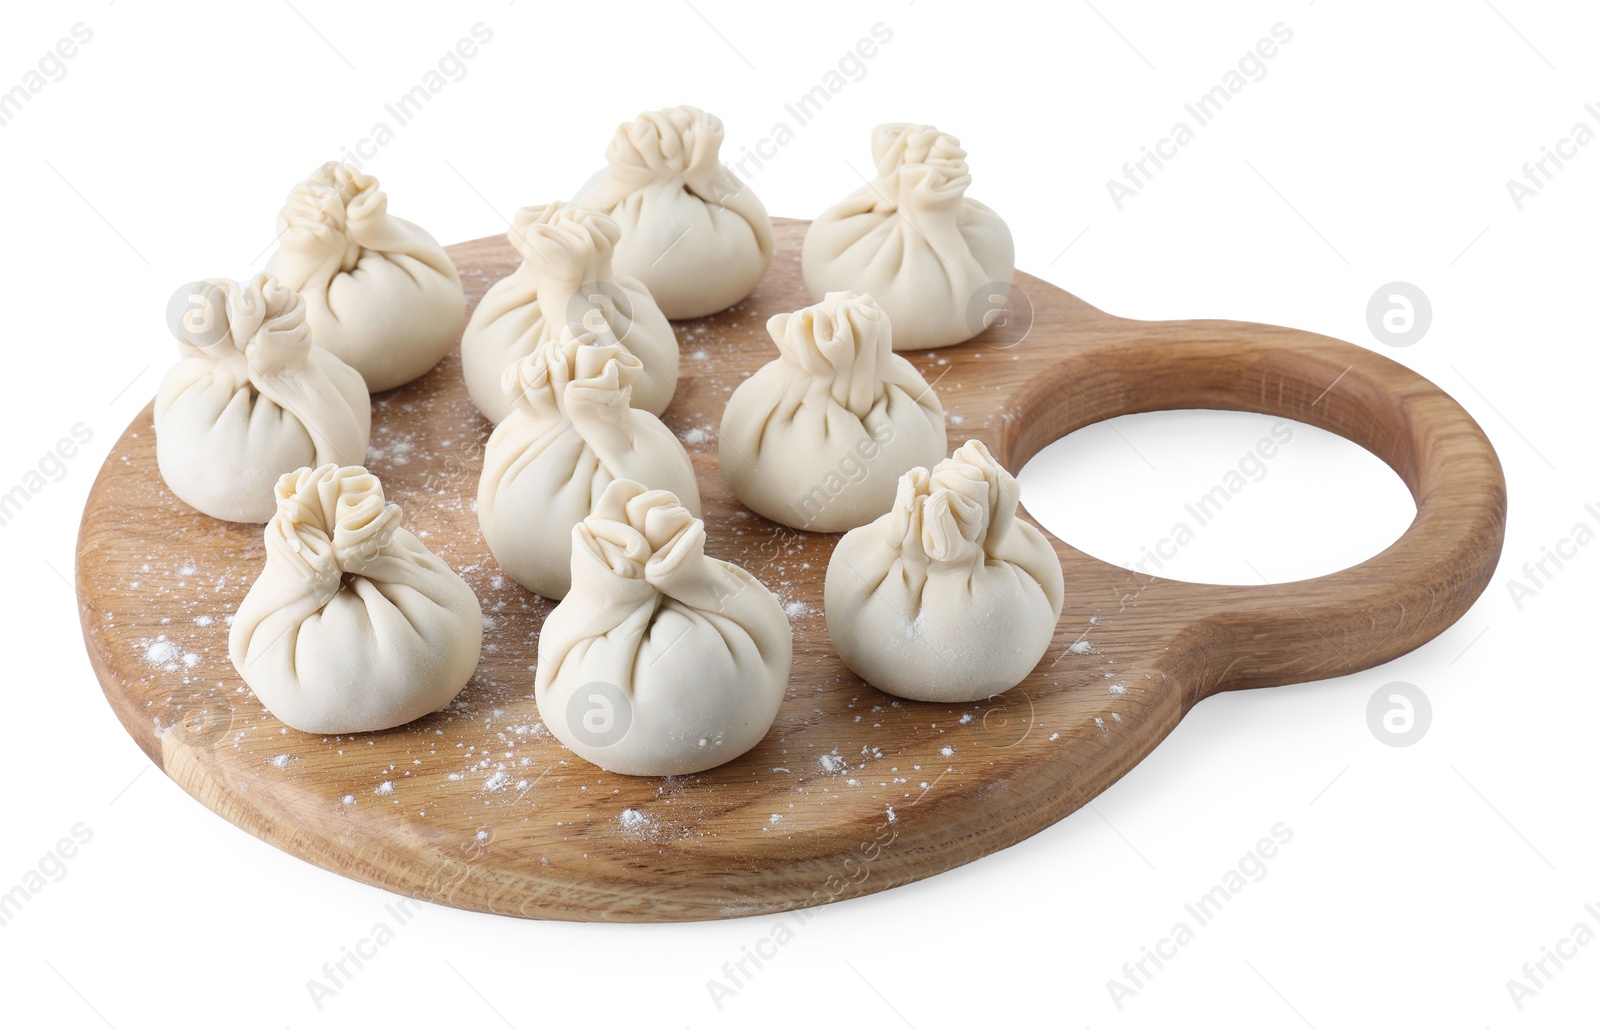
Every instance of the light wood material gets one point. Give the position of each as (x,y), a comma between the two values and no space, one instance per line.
(484,810)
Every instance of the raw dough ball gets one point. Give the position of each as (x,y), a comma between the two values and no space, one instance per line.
(380,292)
(913,239)
(661,661)
(818,437)
(691,231)
(566,277)
(354,626)
(571,432)
(252,399)
(949,597)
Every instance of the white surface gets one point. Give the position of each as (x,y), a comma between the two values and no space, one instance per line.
(1419,879)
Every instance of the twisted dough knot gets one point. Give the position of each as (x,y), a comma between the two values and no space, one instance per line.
(266,322)
(957,512)
(844,340)
(683,141)
(333,204)
(565,241)
(580,359)
(920,156)
(335,516)
(642,534)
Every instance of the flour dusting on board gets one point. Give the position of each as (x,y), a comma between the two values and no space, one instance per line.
(484,768)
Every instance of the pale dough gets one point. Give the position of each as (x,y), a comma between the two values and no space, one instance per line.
(661,661)
(932,256)
(818,437)
(380,292)
(251,399)
(353,626)
(566,277)
(691,231)
(949,597)
(571,432)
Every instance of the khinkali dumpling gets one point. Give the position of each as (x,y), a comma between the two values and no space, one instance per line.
(571,432)
(354,626)
(691,231)
(662,661)
(380,292)
(818,437)
(914,240)
(566,277)
(949,597)
(251,399)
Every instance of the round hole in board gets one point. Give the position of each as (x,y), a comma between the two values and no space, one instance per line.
(1217,496)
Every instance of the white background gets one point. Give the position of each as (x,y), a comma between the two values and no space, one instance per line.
(1419,879)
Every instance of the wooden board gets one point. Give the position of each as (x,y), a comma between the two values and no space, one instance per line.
(852,791)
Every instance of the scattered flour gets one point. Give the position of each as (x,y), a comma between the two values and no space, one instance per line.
(162,652)
(1082,647)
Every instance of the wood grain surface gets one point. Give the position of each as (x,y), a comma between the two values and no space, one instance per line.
(852,791)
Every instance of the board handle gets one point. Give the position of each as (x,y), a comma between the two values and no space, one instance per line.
(1354,619)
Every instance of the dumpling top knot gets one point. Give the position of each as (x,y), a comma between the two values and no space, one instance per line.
(260,318)
(843,340)
(959,512)
(641,534)
(920,155)
(582,363)
(675,141)
(334,515)
(336,194)
(565,241)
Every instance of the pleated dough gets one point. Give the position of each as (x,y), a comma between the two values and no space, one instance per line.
(661,661)
(380,292)
(948,597)
(571,432)
(251,399)
(566,277)
(914,240)
(353,626)
(691,231)
(818,437)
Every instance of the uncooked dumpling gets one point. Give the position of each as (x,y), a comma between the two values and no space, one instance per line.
(354,626)
(662,661)
(380,292)
(818,437)
(913,239)
(252,398)
(571,432)
(566,277)
(691,231)
(949,597)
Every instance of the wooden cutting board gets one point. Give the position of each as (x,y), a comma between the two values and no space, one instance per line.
(852,791)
